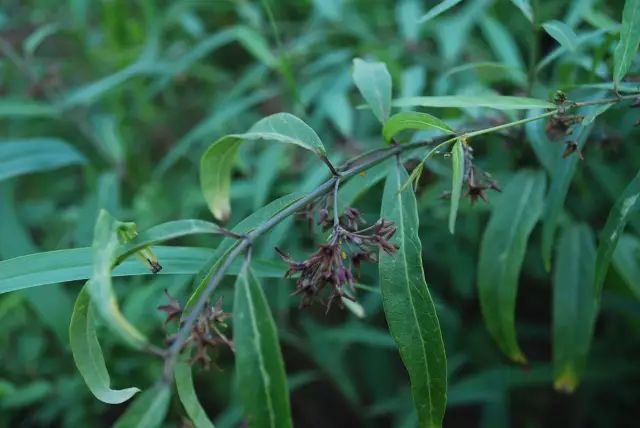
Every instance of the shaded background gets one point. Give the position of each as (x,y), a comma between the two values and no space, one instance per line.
(140,88)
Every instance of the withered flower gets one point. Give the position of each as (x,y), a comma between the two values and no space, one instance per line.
(561,125)
(572,147)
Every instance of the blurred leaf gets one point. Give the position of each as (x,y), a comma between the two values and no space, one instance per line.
(255,43)
(500,102)
(577,10)
(360,184)
(626,49)
(406,13)
(573,305)
(87,353)
(374,83)
(104,250)
(545,150)
(75,264)
(504,242)
(188,396)
(330,9)
(626,259)
(525,8)
(562,33)
(441,7)
(24,107)
(148,410)
(26,395)
(501,42)
(412,120)
(617,219)
(409,309)
(268,168)
(217,161)
(258,357)
(25,156)
(457,179)
(34,40)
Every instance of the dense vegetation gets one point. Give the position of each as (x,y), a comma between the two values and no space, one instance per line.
(319,213)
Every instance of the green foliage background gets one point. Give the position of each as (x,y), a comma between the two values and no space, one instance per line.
(140,89)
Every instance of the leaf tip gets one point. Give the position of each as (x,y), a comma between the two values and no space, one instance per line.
(566,382)
(519,357)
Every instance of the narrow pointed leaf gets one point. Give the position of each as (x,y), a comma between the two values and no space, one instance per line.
(626,260)
(627,203)
(19,157)
(87,353)
(217,161)
(457,164)
(188,396)
(441,7)
(412,120)
(525,8)
(259,361)
(148,410)
(499,102)
(374,83)
(562,33)
(17,107)
(573,305)
(627,47)
(408,306)
(504,242)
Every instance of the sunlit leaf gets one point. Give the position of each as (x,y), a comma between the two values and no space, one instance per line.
(499,102)
(374,83)
(148,410)
(627,48)
(412,120)
(408,307)
(258,357)
(573,305)
(188,396)
(87,353)
(25,156)
(217,161)
(514,214)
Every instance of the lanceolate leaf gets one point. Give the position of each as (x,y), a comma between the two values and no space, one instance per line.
(217,161)
(502,250)
(618,217)
(573,305)
(104,249)
(149,409)
(408,306)
(500,102)
(441,7)
(15,107)
(412,120)
(627,48)
(87,353)
(245,226)
(188,397)
(457,163)
(562,33)
(374,83)
(525,8)
(52,267)
(259,367)
(19,157)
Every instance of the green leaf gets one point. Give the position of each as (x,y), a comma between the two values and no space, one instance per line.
(525,8)
(75,264)
(104,249)
(625,52)
(258,357)
(412,120)
(188,396)
(617,219)
(626,260)
(457,164)
(149,409)
(562,33)
(502,250)
(16,107)
(19,157)
(217,161)
(361,183)
(545,150)
(374,83)
(409,309)
(87,353)
(573,305)
(441,7)
(500,102)
(245,226)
